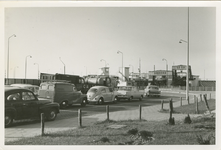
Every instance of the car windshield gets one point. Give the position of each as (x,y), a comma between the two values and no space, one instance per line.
(93,90)
(155,88)
(124,88)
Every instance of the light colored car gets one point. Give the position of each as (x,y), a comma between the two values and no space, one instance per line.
(33,88)
(101,94)
(129,93)
(152,90)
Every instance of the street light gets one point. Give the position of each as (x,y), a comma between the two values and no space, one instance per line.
(15,70)
(38,68)
(63,64)
(187,58)
(26,64)
(166,67)
(122,62)
(104,62)
(8,55)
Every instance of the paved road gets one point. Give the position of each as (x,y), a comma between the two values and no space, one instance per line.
(67,119)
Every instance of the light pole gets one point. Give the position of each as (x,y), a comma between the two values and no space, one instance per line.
(8,55)
(38,68)
(122,62)
(104,62)
(132,71)
(26,64)
(187,58)
(63,64)
(15,70)
(166,67)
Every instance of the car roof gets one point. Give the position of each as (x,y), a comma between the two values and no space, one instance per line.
(57,83)
(11,88)
(24,85)
(99,87)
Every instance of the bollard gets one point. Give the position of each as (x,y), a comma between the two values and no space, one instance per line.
(140,111)
(194,97)
(42,124)
(107,110)
(201,98)
(79,118)
(181,101)
(197,109)
(206,103)
(162,101)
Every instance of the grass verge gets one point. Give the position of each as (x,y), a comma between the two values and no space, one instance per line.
(200,131)
(191,108)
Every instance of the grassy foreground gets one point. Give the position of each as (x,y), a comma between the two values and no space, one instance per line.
(200,131)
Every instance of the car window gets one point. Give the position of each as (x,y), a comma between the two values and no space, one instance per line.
(44,87)
(110,89)
(103,90)
(14,97)
(107,90)
(93,90)
(51,87)
(27,96)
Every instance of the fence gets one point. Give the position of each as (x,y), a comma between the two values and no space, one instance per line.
(191,88)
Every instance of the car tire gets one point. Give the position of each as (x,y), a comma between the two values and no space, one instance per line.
(8,120)
(51,115)
(84,102)
(130,98)
(100,101)
(115,99)
(63,104)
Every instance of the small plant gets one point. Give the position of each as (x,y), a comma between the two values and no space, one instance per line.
(104,139)
(207,140)
(187,119)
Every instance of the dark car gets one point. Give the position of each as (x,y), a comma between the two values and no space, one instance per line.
(22,103)
(63,93)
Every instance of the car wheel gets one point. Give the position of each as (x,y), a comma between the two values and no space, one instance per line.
(84,102)
(100,101)
(8,120)
(63,104)
(130,98)
(51,115)
(115,99)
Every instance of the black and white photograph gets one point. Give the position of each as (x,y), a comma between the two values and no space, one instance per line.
(110,74)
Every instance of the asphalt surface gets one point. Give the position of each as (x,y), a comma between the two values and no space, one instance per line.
(123,110)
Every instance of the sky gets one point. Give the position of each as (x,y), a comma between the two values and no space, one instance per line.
(81,36)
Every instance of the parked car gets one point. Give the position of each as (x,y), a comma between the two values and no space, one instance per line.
(152,90)
(22,103)
(129,93)
(101,94)
(33,88)
(63,93)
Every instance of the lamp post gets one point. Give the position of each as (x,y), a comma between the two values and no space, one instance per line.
(15,70)
(122,62)
(187,58)
(104,62)
(38,68)
(166,67)
(63,64)
(8,55)
(132,71)
(26,64)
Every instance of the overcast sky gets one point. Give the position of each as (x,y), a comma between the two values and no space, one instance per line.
(82,36)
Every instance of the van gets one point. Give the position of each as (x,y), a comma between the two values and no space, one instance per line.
(61,92)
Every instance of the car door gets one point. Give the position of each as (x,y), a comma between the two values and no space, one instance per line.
(29,105)
(104,94)
(13,100)
(108,95)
